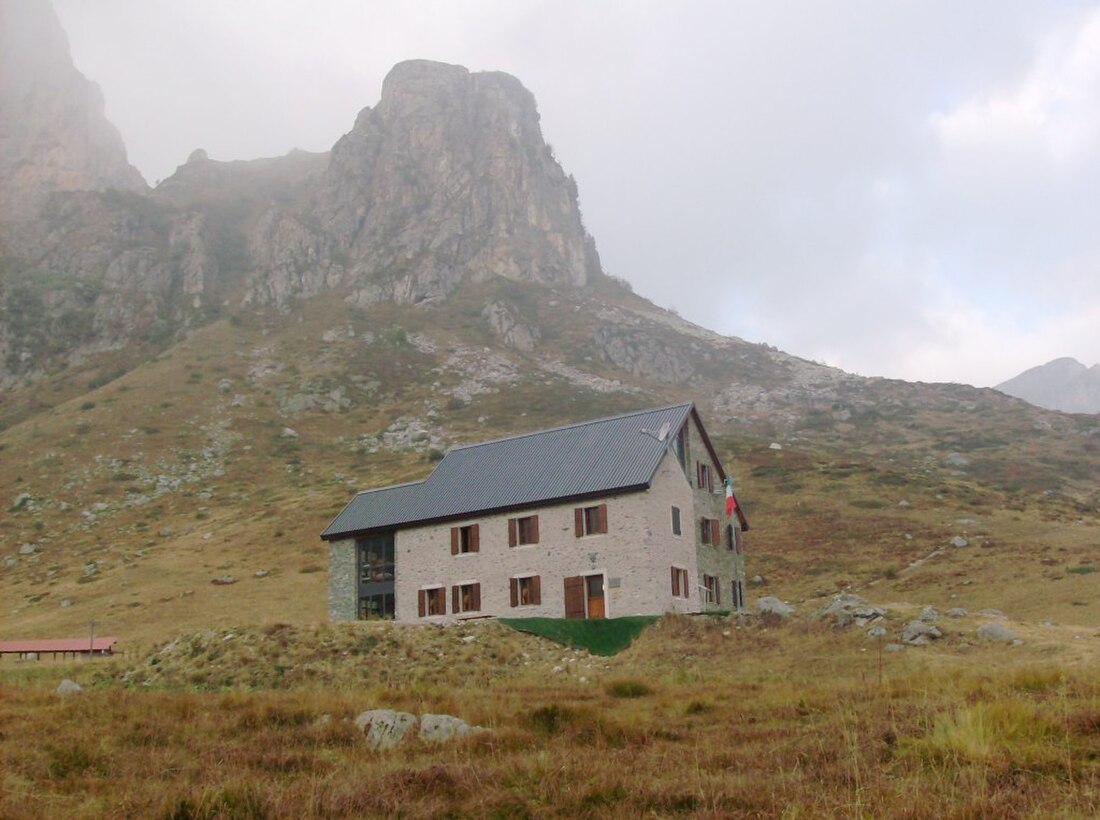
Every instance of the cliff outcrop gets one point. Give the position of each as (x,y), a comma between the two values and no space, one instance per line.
(447,179)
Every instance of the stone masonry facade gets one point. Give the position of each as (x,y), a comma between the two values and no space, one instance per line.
(635,557)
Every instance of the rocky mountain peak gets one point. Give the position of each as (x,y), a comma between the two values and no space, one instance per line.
(1062,384)
(53,132)
(447,179)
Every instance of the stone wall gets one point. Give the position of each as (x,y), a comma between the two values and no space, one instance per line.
(343,585)
(719,561)
(635,556)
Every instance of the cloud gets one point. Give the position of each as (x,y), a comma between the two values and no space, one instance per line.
(901,189)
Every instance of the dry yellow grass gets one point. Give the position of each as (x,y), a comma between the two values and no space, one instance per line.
(700,717)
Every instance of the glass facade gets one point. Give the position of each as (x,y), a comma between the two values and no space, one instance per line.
(376,572)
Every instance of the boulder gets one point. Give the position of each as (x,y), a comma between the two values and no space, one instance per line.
(959,542)
(848,608)
(68,687)
(957,612)
(223,580)
(928,615)
(439,728)
(918,633)
(28,549)
(384,728)
(770,605)
(996,633)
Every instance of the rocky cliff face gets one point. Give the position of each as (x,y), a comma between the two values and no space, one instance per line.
(446,180)
(53,133)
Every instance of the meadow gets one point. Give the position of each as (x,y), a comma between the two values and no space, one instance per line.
(702,716)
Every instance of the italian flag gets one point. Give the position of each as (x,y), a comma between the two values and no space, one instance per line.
(731,502)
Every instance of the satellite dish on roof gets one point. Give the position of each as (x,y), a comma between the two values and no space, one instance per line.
(662,434)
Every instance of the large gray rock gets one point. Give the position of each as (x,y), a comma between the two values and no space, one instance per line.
(918,633)
(385,728)
(439,728)
(996,633)
(68,687)
(770,605)
(848,608)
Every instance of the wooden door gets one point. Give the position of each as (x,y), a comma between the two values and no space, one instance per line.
(574,597)
(594,590)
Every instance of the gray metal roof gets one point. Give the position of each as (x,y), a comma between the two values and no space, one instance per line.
(586,459)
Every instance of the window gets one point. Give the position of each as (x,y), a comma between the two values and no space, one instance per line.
(704,476)
(431,601)
(464,539)
(675,520)
(738,591)
(522,531)
(590,520)
(709,531)
(733,538)
(680,445)
(526,591)
(375,558)
(712,589)
(376,607)
(680,588)
(466,598)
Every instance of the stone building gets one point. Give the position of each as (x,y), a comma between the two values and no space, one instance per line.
(618,516)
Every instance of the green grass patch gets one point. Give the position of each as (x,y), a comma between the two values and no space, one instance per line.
(600,637)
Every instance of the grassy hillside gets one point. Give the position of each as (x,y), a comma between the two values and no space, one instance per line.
(225,455)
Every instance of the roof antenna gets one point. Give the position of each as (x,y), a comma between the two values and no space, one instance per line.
(661,434)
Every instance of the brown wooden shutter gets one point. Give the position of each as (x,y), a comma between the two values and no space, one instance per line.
(729,536)
(456,602)
(475,538)
(536,590)
(675,583)
(534,529)
(698,474)
(512,539)
(422,602)
(717,590)
(454,540)
(476,596)
(578,521)
(715,532)
(574,597)
(602,516)
(513,584)
(704,530)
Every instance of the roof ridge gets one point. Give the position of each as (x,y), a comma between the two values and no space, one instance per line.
(390,487)
(570,426)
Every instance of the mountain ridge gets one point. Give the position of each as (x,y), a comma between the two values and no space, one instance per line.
(1063,384)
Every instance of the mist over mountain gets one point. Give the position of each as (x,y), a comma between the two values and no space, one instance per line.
(53,132)
(1062,384)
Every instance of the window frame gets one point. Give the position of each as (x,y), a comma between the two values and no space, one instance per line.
(590,520)
(466,597)
(523,531)
(712,586)
(465,539)
(677,529)
(681,586)
(521,586)
(431,598)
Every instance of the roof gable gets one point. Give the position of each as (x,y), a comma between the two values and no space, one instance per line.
(590,458)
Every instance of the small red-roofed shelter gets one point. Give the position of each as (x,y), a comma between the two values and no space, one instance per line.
(55,646)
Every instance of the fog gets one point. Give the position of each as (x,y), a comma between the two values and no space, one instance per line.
(903,189)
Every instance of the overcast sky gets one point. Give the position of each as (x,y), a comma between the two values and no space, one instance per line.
(901,189)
